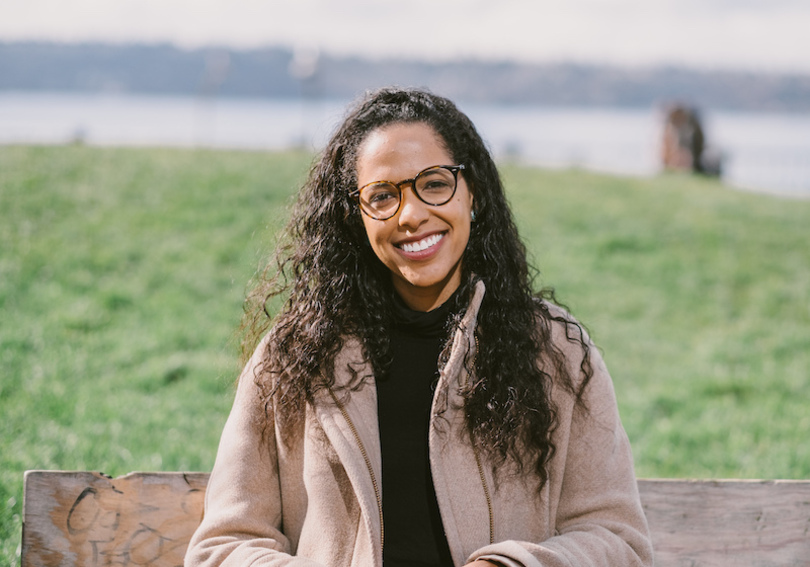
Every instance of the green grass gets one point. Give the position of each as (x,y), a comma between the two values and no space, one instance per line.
(121,279)
(699,297)
(122,273)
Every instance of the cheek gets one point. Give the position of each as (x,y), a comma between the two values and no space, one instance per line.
(464,215)
(368,226)
(374,234)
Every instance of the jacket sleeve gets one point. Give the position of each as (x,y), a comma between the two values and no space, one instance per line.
(599,519)
(241,525)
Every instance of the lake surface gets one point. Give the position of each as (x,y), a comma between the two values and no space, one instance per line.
(768,152)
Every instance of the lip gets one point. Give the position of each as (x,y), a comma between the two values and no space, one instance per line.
(421,254)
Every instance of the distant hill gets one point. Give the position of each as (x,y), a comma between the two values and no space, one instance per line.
(278,72)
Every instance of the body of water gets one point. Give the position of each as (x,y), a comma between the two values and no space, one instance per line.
(767,152)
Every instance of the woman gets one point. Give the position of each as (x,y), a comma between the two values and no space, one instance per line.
(414,402)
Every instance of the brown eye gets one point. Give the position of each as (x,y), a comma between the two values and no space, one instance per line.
(380,198)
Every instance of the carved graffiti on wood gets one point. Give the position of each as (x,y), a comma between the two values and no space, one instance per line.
(90,520)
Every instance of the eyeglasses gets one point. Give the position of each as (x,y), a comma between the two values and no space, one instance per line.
(433,186)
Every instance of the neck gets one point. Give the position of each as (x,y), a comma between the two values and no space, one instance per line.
(426,298)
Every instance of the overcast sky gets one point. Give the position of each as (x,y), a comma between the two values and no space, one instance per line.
(769,35)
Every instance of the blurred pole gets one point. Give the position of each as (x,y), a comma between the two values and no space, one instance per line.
(217,66)
(304,67)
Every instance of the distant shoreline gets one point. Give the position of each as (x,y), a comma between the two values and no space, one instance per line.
(274,72)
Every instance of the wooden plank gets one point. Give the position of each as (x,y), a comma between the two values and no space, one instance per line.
(728,523)
(90,520)
(84,519)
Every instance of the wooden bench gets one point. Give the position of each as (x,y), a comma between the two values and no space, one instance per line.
(86,519)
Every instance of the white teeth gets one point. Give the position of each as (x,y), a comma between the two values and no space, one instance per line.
(422,244)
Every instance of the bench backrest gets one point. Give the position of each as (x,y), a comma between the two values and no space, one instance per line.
(741,523)
(84,519)
(90,520)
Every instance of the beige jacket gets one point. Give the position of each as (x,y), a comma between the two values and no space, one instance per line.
(317,502)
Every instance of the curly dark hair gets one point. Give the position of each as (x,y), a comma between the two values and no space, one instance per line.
(337,288)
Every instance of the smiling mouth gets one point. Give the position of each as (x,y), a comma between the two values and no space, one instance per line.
(423,244)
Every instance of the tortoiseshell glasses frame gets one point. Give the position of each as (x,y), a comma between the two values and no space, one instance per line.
(434,186)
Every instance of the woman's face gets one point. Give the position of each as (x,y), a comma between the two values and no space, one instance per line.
(422,245)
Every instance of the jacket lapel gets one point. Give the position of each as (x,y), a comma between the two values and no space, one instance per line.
(349,420)
(461,485)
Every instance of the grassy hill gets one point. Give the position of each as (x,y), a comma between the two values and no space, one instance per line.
(122,273)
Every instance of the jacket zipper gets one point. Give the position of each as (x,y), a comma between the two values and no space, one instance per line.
(486,494)
(368,465)
(481,468)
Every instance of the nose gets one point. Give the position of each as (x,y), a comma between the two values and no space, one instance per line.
(412,211)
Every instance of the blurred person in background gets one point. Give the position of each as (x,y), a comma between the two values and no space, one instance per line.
(683,146)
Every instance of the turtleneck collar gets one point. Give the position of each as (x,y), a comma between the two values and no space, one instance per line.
(420,323)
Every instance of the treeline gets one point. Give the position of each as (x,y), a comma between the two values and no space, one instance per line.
(278,72)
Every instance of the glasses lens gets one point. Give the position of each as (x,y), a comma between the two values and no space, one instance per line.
(436,186)
(380,200)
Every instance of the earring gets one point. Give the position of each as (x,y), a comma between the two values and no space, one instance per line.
(472,215)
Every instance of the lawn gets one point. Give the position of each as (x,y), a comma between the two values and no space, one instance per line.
(122,273)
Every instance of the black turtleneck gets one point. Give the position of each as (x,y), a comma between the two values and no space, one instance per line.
(414,535)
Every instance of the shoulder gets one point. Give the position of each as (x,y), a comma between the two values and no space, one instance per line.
(251,383)
(269,374)
(568,350)
(258,361)
(563,330)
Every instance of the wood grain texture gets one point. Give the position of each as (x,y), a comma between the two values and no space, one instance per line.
(728,523)
(84,519)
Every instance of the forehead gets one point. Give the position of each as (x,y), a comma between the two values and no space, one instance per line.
(400,151)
